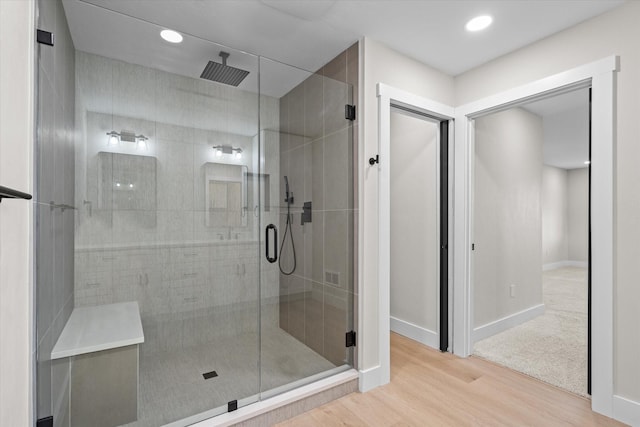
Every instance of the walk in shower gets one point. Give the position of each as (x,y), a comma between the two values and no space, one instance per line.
(161,210)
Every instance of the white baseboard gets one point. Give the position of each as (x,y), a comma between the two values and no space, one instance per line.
(626,410)
(371,378)
(508,322)
(567,263)
(415,332)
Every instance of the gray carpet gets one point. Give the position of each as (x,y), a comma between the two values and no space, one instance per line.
(553,346)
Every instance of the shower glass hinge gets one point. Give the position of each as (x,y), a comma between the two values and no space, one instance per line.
(44,37)
(45,422)
(350,112)
(232,406)
(350,339)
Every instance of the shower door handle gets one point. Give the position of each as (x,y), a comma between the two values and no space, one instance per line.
(275,242)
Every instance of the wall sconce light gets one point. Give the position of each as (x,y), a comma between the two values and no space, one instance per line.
(228,149)
(114,138)
(127,136)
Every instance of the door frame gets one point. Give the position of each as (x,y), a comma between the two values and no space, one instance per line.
(388,95)
(600,76)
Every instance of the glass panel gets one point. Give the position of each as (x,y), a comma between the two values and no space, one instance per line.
(163,213)
(155,187)
(308,293)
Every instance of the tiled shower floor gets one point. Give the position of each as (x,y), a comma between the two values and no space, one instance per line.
(172,386)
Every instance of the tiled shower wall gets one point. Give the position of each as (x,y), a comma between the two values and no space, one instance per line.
(55,187)
(192,282)
(318,153)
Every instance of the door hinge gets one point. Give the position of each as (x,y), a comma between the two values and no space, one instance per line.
(232,406)
(45,422)
(473,246)
(350,112)
(44,37)
(350,339)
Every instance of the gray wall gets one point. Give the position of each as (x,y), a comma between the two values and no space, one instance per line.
(507,214)
(578,214)
(555,239)
(414,221)
(55,186)
(193,281)
(565,214)
(317,154)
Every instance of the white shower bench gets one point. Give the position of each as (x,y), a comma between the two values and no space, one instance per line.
(101,347)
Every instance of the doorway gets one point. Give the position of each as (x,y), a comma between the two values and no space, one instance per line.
(389,96)
(600,75)
(419,226)
(531,239)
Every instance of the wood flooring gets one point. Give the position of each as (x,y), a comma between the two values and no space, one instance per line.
(430,388)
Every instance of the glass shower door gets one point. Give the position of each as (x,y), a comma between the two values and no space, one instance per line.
(146,238)
(307,293)
(157,177)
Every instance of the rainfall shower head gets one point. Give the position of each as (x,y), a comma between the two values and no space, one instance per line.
(223,73)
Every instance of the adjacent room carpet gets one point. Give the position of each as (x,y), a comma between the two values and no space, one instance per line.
(553,346)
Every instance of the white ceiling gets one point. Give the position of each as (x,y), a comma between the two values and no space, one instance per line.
(107,33)
(565,127)
(308,33)
(559,104)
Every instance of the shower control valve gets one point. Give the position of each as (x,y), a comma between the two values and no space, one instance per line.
(289,199)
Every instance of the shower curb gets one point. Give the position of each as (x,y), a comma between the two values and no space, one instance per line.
(290,404)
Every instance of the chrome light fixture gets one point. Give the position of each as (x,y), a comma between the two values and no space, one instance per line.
(236,152)
(116,138)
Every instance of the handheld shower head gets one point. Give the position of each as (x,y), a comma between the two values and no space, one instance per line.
(287,199)
(287,229)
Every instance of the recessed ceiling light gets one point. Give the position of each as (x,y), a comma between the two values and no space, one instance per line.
(171,36)
(479,23)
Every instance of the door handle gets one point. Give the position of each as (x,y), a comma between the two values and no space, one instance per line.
(267,245)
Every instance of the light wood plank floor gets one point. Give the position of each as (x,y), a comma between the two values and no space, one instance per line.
(429,388)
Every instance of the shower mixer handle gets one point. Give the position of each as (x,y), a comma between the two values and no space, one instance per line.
(289,199)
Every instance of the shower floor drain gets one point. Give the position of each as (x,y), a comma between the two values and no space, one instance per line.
(208,375)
